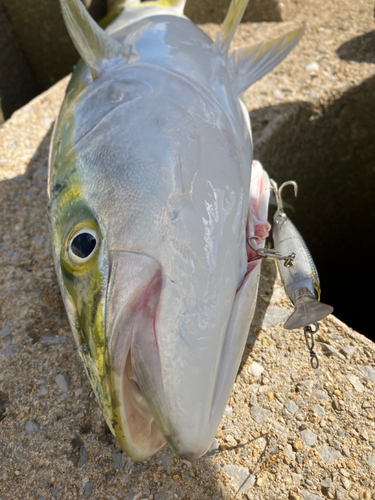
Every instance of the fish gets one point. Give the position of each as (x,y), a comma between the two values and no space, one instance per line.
(296,268)
(151,196)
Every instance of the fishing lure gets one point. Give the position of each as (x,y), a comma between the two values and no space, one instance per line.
(297,268)
(298,272)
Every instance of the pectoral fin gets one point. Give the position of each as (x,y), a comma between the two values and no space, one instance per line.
(249,64)
(93,44)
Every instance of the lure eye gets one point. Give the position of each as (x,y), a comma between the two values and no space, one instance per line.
(83,245)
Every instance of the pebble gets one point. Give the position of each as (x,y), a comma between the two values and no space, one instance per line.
(258,414)
(213,449)
(311,496)
(354,380)
(274,316)
(62,383)
(297,478)
(87,489)
(322,395)
(347,350)
(309,384)
(328,350)
(165,459)
(161,496)
(314,66)
(31,427)
(319,410)
(346,483)
(43,391)
(132,495)
(329,454)
(240,475)
(7,330)
(228,410)
(8,351)
(326,483)
(368,372)
(78,392)
(49,339)
(278,94)
(289,451)
(291,406)
(308,437)
(294,496)
(255,369)
(313,94)
(83,457)
(117,458)
(279,428)
(371,460)
(298,445)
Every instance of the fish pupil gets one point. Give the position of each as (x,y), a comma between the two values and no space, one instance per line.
(83,245)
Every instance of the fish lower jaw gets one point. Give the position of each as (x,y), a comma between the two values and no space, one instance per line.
(134,425)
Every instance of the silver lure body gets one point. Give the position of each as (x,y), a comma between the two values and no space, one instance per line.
(151,158)
(299,275)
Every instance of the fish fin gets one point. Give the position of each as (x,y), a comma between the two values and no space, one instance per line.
(229,26)
(308,310)
(177,5)
(249,64)
(93,44)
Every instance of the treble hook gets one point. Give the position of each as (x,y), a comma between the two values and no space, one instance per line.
(277,190)
(269,253)
(309,338)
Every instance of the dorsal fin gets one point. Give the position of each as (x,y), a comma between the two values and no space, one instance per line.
(177,5)
(249,64)
(229,26)
(120,5)
(93,44)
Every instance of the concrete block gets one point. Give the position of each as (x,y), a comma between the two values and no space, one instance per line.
(42,35)
(17,83)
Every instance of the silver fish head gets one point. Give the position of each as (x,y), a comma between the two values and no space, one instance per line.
(149,212)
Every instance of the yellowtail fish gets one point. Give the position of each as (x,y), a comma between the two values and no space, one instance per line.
(149,209)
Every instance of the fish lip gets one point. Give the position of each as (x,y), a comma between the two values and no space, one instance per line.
(131,276)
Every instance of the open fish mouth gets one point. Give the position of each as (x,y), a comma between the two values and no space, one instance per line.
(172,386)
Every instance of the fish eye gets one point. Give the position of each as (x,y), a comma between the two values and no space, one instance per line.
(83,244)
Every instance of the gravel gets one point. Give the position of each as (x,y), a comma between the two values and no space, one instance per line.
(88,488)
(165,460)
(31,427)
(255,369)
(117,458)
(329,454)
(8,351)
(83,457)
(50,339)
(274,316)
(241,477)
(308,437)
(62,383)
(7,330)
